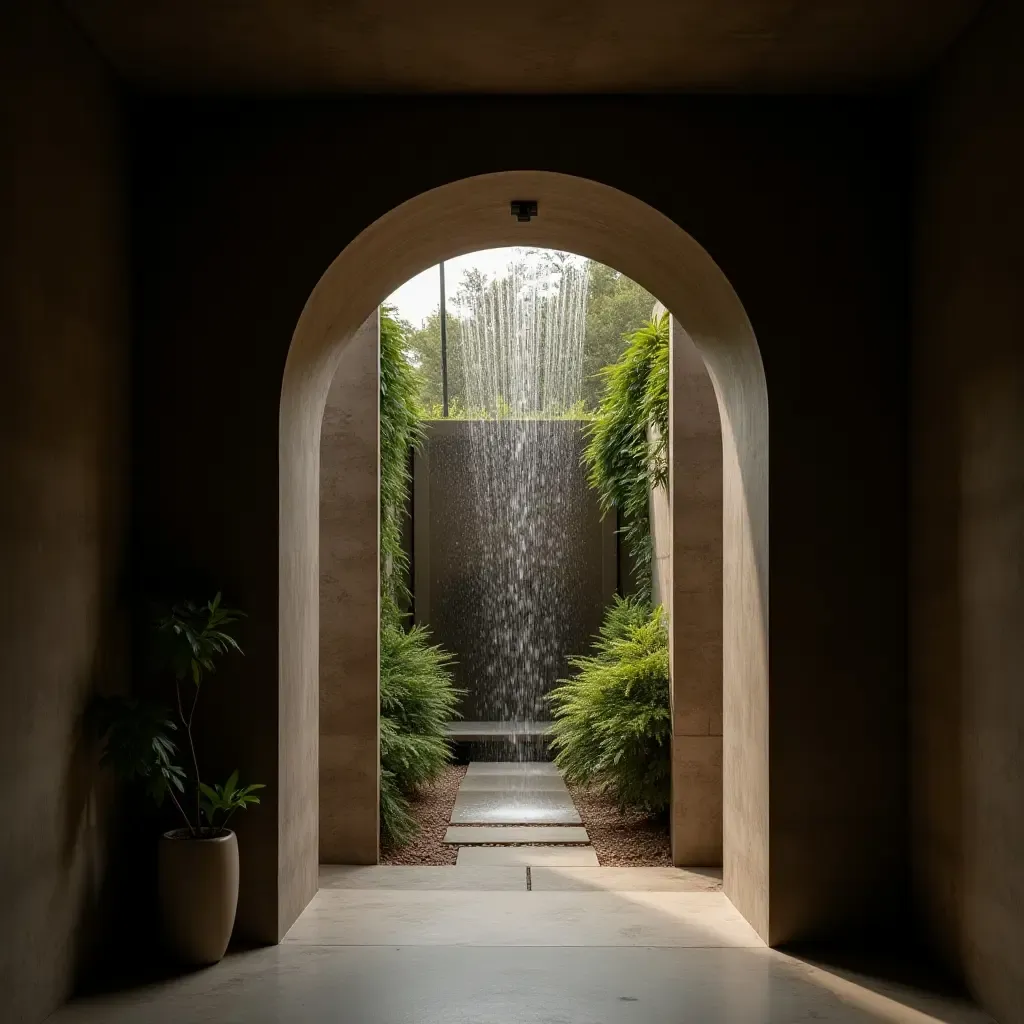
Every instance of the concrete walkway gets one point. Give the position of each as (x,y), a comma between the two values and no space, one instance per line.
(505,808)
(397,945)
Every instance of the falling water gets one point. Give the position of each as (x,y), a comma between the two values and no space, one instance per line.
(522,366)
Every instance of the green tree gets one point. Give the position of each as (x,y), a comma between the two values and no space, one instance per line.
(423,346)
(616,308)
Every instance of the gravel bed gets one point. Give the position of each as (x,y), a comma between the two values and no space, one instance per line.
(432,809)
(621,839)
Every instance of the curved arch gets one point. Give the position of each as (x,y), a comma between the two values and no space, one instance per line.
(614,228)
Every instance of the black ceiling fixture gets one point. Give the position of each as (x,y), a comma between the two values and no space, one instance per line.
(524,209)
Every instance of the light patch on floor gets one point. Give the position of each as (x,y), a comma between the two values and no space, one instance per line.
(619,879)
(423,918)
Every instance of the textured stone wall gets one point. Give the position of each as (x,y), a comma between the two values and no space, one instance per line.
(686,537)
(349,606)
(63,449)
(967,520)
(695,579)
(463,591)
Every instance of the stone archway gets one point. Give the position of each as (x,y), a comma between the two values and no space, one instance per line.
(612,227)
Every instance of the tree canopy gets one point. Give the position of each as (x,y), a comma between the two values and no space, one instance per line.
(616,307)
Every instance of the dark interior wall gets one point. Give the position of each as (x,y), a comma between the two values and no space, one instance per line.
(968,513)
(241,207)
(63,421)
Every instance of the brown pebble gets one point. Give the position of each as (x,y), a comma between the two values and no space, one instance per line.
(620,839)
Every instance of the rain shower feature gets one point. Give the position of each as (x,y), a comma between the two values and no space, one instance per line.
(521,362)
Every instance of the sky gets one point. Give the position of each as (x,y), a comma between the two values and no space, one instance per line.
(420,296)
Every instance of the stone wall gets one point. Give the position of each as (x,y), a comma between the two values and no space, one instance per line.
(695,577)
(574,555)
(967,520)
(349,606)
(686,537)
(63,519)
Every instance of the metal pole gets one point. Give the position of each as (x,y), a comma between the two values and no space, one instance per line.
(444,351)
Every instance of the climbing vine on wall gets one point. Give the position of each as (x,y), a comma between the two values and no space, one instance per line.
(417,698)
(627,440)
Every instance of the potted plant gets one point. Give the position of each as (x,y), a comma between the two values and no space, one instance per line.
(198,862)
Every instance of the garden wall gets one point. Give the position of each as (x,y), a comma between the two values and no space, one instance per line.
(573,544)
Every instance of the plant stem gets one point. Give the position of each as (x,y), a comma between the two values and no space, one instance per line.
(187,722)
(181,809)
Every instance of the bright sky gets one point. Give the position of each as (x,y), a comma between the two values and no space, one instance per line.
(420,296)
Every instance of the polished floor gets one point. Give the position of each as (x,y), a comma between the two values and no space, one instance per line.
(476,946)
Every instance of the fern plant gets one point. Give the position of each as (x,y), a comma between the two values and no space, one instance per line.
(417,698)
(627,440)
(612,720)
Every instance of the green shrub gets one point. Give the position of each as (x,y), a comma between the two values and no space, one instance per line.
(612,721)
(624,462)
(417,699)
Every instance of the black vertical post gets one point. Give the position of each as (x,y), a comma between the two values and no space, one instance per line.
(444,351)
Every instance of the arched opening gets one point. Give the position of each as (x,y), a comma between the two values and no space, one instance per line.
(613,228)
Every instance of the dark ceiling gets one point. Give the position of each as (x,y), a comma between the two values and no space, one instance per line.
(537,46)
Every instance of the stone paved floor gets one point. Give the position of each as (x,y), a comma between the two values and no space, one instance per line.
(529,797)
(451,945)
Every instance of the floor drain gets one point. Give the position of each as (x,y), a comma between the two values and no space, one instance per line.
(529,880)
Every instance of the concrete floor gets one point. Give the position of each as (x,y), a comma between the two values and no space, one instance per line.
(422,954)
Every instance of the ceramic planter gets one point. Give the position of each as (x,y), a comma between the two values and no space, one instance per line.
(198,881)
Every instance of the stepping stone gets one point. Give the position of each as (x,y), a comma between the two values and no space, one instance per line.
(528,856)
(495,730)
(512,768)
(466,835)
(477,878)
(491,807)
(624,879)
(512,783)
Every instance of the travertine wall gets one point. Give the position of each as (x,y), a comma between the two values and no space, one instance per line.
(349,605)
(63,484)
(686,537)
(967,521)
(695,644)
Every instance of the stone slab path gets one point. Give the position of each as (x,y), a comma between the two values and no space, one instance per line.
(475,835)
(528,856)
(531,799)
(511,807)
